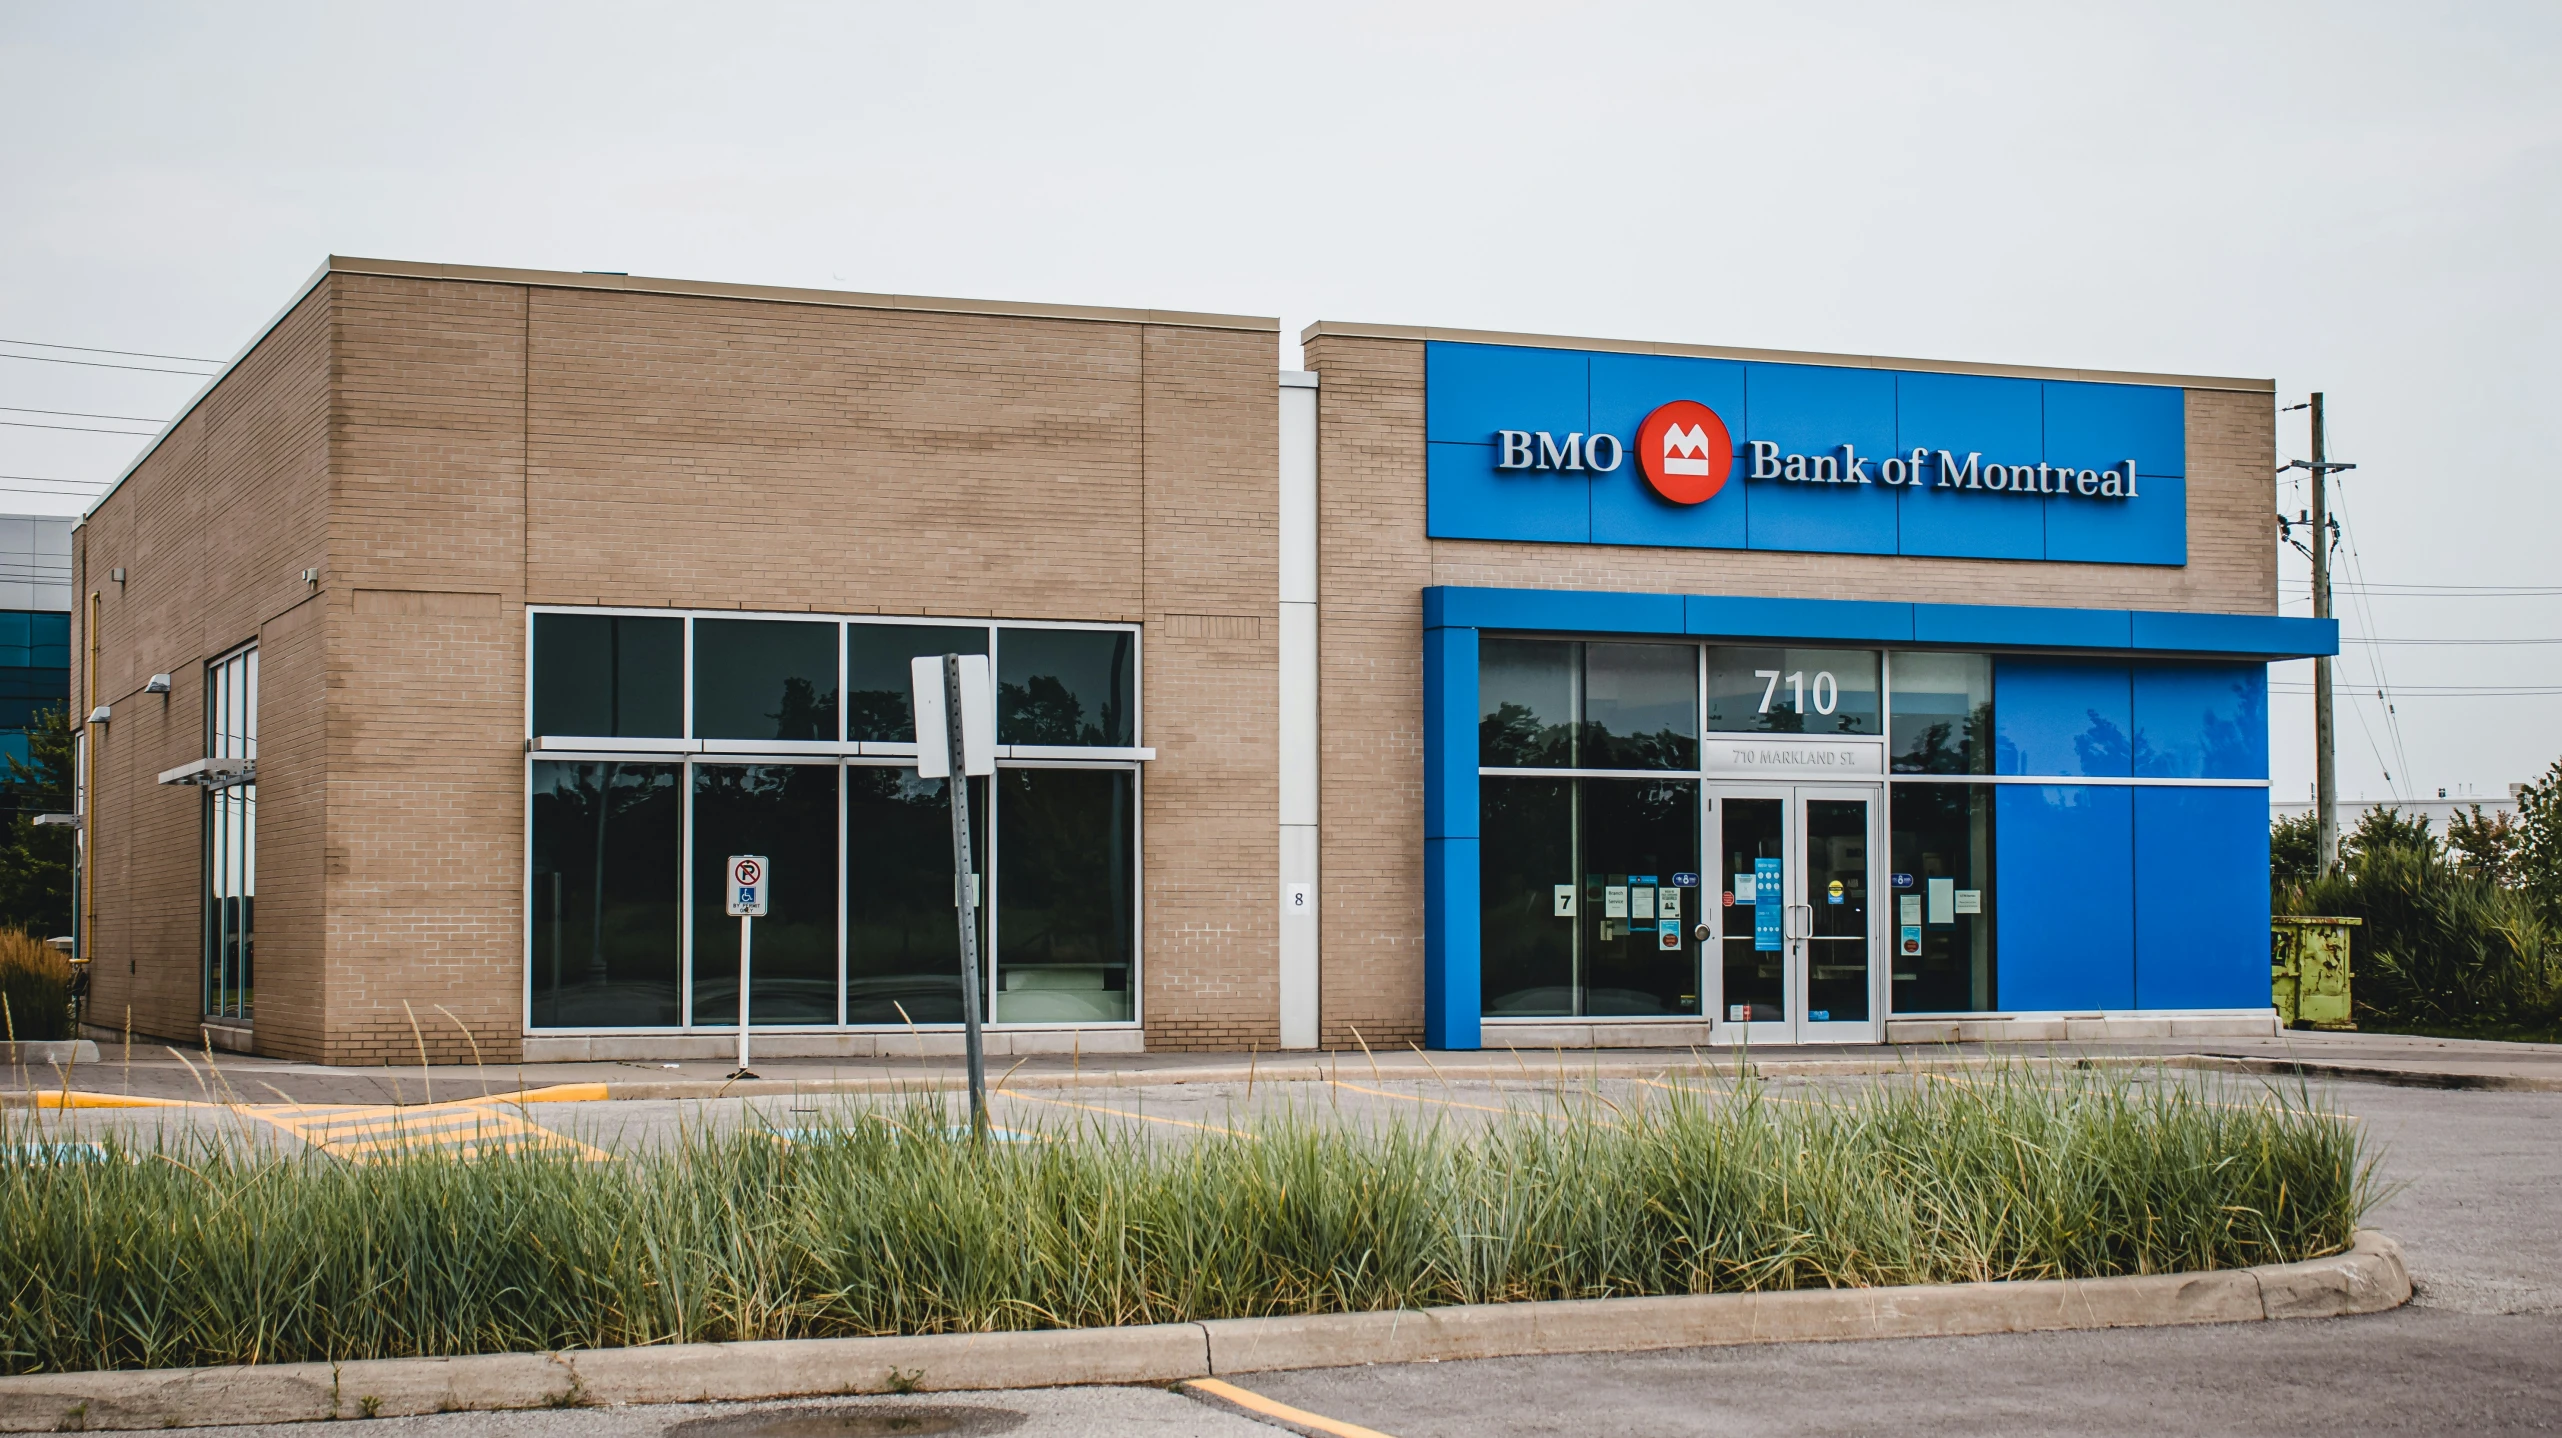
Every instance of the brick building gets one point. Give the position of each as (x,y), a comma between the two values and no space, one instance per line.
(455,635)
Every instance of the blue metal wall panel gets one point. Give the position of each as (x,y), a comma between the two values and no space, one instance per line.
(2151,528)
(2064,919)
(2062,716)
(2093,426)
(1466,497)
(1627,388)
(1576,611)
(1812,409)
(1452,980)
(2201,898)
(1470,391)
(2003,626)
(2255,634)
(1862,620)
(1968,414)
(1450,733)
(2201,721)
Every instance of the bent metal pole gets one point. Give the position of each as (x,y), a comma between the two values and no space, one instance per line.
(964,899)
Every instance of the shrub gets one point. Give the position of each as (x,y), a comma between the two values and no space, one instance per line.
(880,1221)
(35,987)
(2440,945)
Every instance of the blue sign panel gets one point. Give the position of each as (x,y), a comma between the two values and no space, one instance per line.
(1573,447)
(1766,912)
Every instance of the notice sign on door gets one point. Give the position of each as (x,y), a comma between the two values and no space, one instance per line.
(1767,914)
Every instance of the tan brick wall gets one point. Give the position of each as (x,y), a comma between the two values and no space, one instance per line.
(426,672)
(1374,561)
(477,446)
(213,530)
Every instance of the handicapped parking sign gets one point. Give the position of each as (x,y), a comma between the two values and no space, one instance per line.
(750,885)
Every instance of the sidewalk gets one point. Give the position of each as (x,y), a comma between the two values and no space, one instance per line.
(154,1071)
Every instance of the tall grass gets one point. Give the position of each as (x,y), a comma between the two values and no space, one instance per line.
(35,988)
(882,1223)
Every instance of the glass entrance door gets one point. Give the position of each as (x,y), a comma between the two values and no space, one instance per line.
(1793,916)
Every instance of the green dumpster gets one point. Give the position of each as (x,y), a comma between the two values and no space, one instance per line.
(2308,970)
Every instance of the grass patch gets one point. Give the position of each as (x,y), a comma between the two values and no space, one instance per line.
(35,988)
(883,1223)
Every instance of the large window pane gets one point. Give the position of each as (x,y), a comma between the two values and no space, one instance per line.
(1640,839)
(880,703)
(1751,846)
(902,949)
(231,841)
(609,674)
(1063,895)
(764,679)
(1640,706)
(1792,691)
(606,940)
(1942,885)
(1943,713)
(1063,686)
(1526,885)
(787,812)
(1526,703)
(1837,895)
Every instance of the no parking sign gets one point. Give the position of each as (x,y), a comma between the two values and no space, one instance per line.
(750,880)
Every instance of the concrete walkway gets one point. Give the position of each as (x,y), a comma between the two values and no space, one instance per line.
(158,1071)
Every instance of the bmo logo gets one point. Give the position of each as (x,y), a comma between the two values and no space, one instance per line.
(1683,449)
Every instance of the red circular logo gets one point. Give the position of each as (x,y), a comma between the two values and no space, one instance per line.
(1685,452)
(750,871)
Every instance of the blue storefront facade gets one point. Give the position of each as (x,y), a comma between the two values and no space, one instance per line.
(1786,699)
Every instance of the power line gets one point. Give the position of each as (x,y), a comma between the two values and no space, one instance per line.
(83,414)
(100,364)
(2434,591)
(75,429)
(94,350)
(2432,643)
(2427,691)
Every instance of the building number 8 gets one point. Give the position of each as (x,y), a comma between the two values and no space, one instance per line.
(1827,690)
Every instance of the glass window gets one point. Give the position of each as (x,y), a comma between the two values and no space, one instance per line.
(1640,842)
(902,953)
(1064,855)
(1526,890)
(606,950)
(1063,686)
(1590,889)
(1942,888)
(1792,691)
(880,704)
(609,675)
(1943,713)
(1837,897)
(764,679)
(231,840)
(1526,703)
(787,812)
(1751,846)
(1640,706)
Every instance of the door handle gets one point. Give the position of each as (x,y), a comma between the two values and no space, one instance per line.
(1800,921)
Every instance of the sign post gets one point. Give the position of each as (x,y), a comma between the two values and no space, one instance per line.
(751,881)
(956,738)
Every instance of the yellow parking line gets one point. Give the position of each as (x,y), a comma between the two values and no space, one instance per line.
(1281,1412)
(1126,1113)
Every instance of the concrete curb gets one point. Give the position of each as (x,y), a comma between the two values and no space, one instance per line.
(2368,1278)
(53,1052)
(2371,1073)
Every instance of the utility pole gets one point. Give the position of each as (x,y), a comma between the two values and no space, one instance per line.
(2326,773)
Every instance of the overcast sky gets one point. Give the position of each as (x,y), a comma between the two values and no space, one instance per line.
(2356,198)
